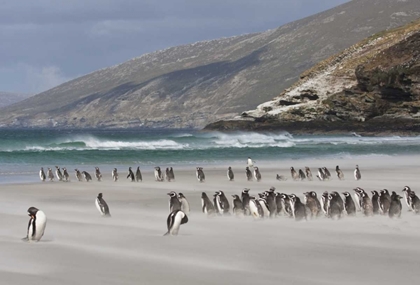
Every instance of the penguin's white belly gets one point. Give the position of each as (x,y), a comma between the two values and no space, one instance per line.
(292,206)
(176,224)
(253,209)
(219,204)
(40,224)
(99,207)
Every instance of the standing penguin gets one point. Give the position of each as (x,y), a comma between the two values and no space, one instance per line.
(58,173)
(340,173)
(115,175)
(50,174)
(321,175)
(257,174)
(230,174)
(367,207)
(312,203)
(324,203)
(349,205)
(78,175)
(174,221)
(407,191)
(298,209)
(248,174)
(98,174)
(222,203)
(174,203)
(207,206)
(375,202)
(245,201)
(167,175)
(270,197)
(102,206)
(357,174)
(327,173)
(216,209)
(395,206)
(171,173)
(334,208)
(139,177)
(42,175)
(130,175)
(308,173)
(294,174)
(185,206)
(286,206)
(279,204)
(414,202)
(36,225)
(302,175)
(384,201)
(238,208)
(358,197)
(200,174)
(158,174)
(66,176)
(339,200)
(255,208)
(87,176)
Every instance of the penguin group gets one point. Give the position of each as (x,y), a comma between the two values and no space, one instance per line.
(323,174)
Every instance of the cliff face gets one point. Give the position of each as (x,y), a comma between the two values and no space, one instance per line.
(373,86)
(193,85)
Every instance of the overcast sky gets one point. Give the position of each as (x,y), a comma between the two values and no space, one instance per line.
(46,42)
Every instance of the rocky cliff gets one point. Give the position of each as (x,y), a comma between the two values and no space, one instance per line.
(371,87)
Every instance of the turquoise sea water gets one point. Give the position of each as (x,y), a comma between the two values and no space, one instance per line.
(23,152)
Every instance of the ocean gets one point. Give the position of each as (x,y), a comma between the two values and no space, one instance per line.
(23,152)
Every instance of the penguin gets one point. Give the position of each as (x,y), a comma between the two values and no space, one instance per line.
(367,207)
(131,175)
(357,174)
(36,224)
(78,175)
(222,203)
(324,203)
(139,177)
(312,203)
(270,197)
(257,174)
(216,208)
(238,208)
(115,175)
(171,173)
(206,205)
(334,208)
(98,174)
(167,175)
(395,206)
(414,202)
(340,173)
(245,201)
(338,200)
(87,176)
(102,206)
(264,207)
(174,203)
(230,174)
(250,162)
(308,173)
(50,174)
(349,205)
(302,175)
(298,209)
(174,221)
(327,173)
(384,201)
(321,175)
(255,208)
(42,174)
(185,206)
(407,191)
(158,174)
(58,173)
(281,178)
(200,174)
(287,209)
(294,174)
(375,202)
(358,197)
(66,176)
(248,174)
(279,204)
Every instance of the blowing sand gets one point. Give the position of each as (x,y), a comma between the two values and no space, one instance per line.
(81,247)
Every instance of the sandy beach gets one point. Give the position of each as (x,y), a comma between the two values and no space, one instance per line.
(81,247)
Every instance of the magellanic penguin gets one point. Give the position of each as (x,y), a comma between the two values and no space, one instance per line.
(257,174)
(279,204)
(245,201)
(250,162)
(222,203)
(50,174)
(321,175)
(407,191)
(36,225)
(255,208)
(174,203)
(340,173)
(395,206)
(281,177)
(98,174)
(216,208)
(185,206)
(238,208)
(87,176)
(131,175)
(294,174)
(264,207)
(58,173)
(375,202)
(158,174)
(324,203)
(171,173)
(357,174)
(270,197)
(102,206)
(298,209)
(367,207)
(414,202)
(312,203)
(230,174)
(115,175)
(286,206)
(248,174)
(349,205)
(207,206)
(78,175)
(358,197)
(339,200)
(334,208)
(302,175)
(139,177)
(308,173)
(384,201)
(66,176)
(327,173)
(167,175)
(200,174)
(42,175)
(174,221)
